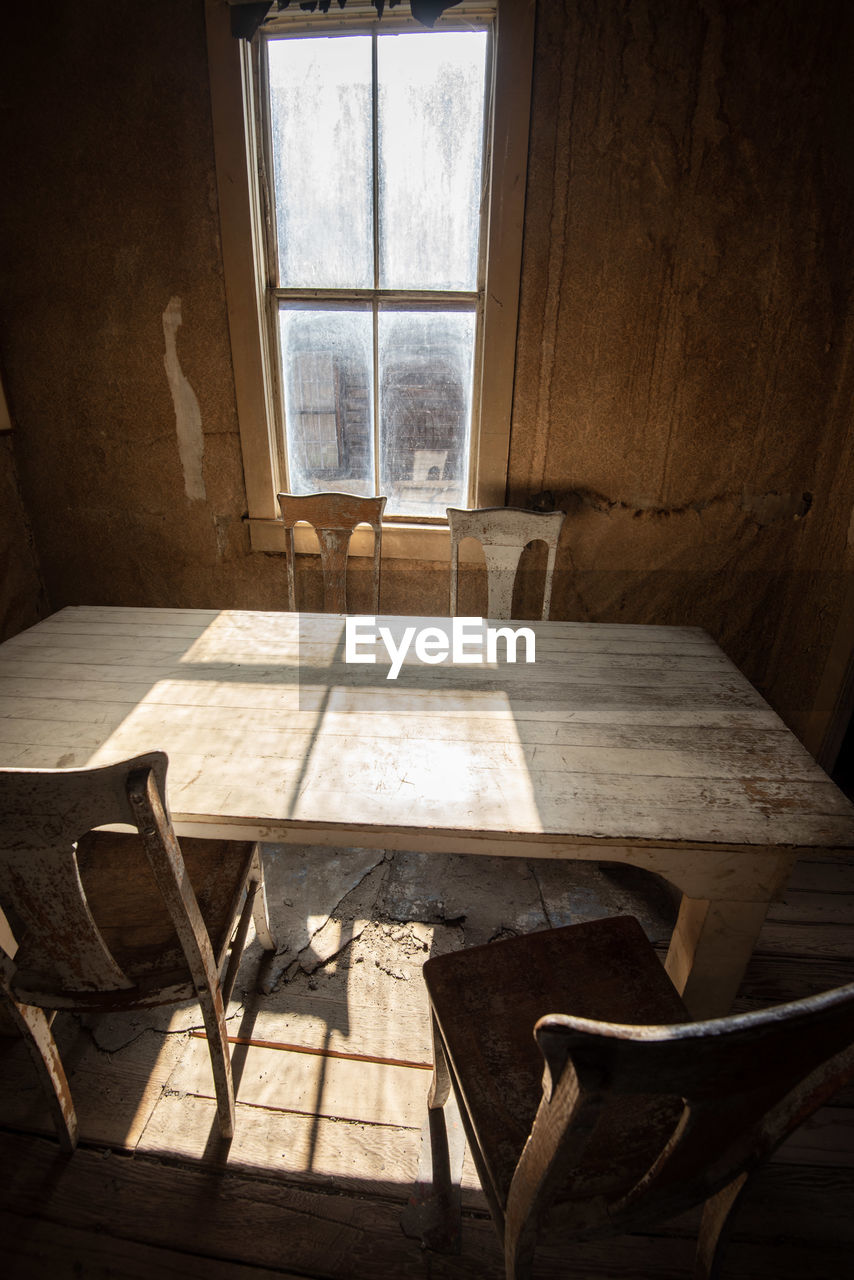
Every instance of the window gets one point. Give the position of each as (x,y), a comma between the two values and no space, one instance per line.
(375,160)
(372,275)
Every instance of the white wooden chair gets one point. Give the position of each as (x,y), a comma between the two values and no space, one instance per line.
(334,516)
(591,1103)
(504,533)
(113,921)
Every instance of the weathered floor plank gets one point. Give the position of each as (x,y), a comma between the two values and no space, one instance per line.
(34,1248)
(263,1221)
(114,1214)
(326,1149)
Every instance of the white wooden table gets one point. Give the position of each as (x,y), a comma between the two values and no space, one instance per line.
(636,744)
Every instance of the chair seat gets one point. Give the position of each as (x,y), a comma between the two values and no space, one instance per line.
(486,1001)
(132,917)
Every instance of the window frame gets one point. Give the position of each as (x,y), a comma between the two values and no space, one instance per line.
(374,297)
(236,111)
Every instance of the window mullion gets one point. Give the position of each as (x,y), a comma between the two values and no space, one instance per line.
(425,298)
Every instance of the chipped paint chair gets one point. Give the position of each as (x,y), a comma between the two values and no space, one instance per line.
(593,1106)
(112,921)
(334,516)
(504,533)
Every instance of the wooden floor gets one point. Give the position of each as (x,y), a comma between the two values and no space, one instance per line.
(331,1070)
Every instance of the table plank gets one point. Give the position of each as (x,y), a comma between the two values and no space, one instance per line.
(637,743)
(616,732)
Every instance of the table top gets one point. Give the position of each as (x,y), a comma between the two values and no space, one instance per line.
(616,734)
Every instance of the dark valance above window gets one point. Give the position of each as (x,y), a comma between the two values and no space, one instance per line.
(247,15)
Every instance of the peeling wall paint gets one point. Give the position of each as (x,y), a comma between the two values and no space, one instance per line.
(188,416)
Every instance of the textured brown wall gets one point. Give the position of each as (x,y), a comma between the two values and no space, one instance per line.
(683,350)
(683,382)
(22,600)
(107,129)
(111,160)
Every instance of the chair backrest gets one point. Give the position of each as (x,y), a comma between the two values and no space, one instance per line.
(504,532)
(713,1100)
(334,517)
(43,813)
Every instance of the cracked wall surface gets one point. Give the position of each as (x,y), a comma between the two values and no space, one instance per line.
(683,375)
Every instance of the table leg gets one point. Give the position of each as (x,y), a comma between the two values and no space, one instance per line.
(709,951)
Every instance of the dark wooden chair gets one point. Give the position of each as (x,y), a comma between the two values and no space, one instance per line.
(107,920)
(334,517)
(593,1105)
(504,533)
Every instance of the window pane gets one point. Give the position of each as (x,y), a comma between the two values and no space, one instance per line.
(320,95)
(431,90)
(426,361)
(327,369)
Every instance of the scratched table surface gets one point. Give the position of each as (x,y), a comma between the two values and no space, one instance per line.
(638,744)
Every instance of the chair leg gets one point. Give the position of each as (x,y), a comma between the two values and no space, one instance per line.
(259,912)
(213,1013)
(444,1235)
(35,1028)
(440,1086)
(239,942)
(433,1215)
(519,1251)
(716,1227)
(254,908)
